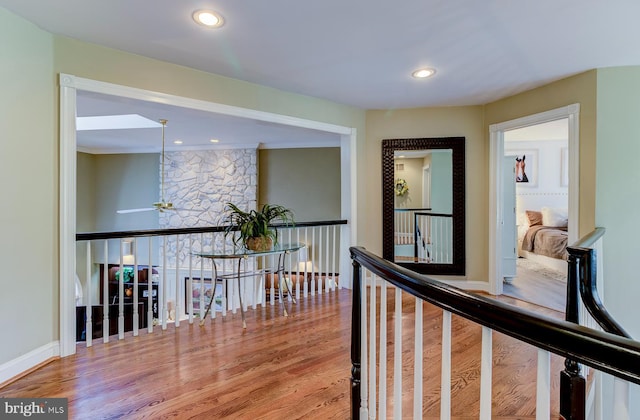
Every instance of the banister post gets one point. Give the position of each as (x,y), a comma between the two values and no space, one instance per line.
(572,383)
(356,340)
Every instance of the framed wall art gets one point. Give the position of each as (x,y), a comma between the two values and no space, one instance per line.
(202,292)
(526,167)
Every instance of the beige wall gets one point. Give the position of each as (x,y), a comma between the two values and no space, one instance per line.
(305,180)
(579,89)
(430,122)
(29,173)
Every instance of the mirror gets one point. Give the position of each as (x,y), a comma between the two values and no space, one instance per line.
(423,213)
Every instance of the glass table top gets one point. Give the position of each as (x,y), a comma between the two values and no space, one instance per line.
(244,252)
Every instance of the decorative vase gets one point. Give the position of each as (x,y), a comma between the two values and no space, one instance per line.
(260,243)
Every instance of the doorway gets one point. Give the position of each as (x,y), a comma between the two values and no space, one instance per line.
(496,186)
(535,197)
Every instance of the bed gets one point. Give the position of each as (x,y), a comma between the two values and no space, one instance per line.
(543,237)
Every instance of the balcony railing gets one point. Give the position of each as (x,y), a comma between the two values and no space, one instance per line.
(379,345)
(135,280)
(423,236)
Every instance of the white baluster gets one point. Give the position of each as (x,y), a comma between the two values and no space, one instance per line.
(543,386)
(176,304)
(162,299)
(334,269)
(372,347)
(417,364)
(327,276)
(136,315)
(189,285)
(121,294)
(397,357)
(203,304)
(486,374)
(445,379)
(383,351)
(298,267)
(364,382)
(312,286)
(306,277)
(620,399)
(150,288)
(105,294)
(88,329)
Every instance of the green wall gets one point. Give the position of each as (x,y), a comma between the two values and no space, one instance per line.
(618,189)
(304,180)
(29,172)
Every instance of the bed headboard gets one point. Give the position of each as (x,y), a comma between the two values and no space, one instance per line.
(538,200)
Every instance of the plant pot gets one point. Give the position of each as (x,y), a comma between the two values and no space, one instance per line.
(260,243)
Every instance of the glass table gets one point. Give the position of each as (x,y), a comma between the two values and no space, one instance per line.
(241,254)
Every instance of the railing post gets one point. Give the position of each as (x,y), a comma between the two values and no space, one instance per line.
(572,383)
(356,341)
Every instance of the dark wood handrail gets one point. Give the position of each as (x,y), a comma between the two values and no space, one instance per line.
(88,236)
(583,272)
(618,356)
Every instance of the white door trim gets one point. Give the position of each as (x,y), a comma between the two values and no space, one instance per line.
(70,84)
(496,152)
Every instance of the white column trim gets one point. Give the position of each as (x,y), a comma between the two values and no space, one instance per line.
(67,209)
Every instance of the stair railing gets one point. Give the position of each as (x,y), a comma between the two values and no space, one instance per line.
(603,351)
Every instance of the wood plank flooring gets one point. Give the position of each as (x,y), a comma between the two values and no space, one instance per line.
(535,284)
(278,368)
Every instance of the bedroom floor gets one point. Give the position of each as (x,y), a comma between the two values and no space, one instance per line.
(538,284)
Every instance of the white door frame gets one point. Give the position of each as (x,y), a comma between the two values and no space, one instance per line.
(496,153)
(70,84)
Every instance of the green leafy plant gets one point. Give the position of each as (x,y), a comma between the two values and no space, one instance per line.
(127,274)
(256,223)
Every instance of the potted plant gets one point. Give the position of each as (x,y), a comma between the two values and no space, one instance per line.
(256,233)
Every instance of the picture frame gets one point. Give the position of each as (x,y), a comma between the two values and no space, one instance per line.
(196,286)
(526,166)
(564,167)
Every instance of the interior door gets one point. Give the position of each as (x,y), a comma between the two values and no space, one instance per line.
(509,232)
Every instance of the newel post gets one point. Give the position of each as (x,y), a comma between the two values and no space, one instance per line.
(355,340)
(572,383)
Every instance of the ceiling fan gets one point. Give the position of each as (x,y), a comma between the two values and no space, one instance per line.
(161,205)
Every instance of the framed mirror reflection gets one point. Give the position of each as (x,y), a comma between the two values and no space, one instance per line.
(423,199)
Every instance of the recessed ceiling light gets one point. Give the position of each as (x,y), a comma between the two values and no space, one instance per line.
(177,142)
(214,140)
(423,73)
(208,18)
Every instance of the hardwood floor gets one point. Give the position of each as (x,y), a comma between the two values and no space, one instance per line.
(279,368)
(538,285)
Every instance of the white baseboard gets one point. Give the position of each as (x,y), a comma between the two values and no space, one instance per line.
(22,364)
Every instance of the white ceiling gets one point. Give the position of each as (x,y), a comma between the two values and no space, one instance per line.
(361,53)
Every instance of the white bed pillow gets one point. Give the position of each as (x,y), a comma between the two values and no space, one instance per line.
(555,217)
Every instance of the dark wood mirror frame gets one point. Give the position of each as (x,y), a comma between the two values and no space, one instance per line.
(457,145)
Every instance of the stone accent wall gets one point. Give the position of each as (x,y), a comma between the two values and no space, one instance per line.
(200,183)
